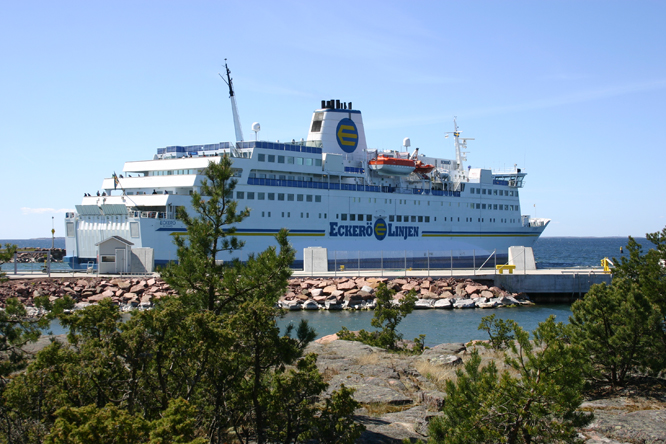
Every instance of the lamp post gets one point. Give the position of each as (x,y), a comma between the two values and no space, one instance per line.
(52,232)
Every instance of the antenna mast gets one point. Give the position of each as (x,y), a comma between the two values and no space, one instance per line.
(456,135)
(234,108)
(461,144)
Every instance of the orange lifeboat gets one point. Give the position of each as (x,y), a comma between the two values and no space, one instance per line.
(391,166)
(423,168)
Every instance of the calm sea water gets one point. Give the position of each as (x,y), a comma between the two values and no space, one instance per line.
(565,252)
(441,326)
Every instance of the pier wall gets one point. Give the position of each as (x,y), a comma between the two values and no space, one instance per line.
(554,287)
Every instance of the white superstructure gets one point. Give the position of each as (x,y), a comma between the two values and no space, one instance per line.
(322,190)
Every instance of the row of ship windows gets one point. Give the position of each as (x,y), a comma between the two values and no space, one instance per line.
(288,213)
(308,161)
(250,195)
(173,172)
(392,218)
(409,218)
(418,202)
(494,192)
(236,172)
(280,177)
(500,207)
(490,219)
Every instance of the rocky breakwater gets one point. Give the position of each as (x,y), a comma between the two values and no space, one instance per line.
(127,293)
(359,293)
(33,256)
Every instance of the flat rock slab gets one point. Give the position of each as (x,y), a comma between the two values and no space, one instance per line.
(43,342)
(394,427)
(347,349)
(443,303)
(372,392)
(464,303)
(641,426)
(446,349)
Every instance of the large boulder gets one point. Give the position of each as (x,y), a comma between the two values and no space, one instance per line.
(291,305)
(464,303)
(368,289)
(310,305)
(443,303)
(348,285)
(423,304)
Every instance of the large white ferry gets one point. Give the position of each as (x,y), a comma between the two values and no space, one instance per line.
(366,207)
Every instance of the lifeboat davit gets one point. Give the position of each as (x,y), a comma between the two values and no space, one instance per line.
(392,166)
(423,168)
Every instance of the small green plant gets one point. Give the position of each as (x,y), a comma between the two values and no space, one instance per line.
(5,256)
(387,316)
(500,331)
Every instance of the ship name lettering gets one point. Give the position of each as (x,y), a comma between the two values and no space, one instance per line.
(337,230)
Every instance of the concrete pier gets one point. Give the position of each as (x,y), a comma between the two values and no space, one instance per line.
(547,285)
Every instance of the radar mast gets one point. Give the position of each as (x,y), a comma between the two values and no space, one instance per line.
(461,144)
(234,108)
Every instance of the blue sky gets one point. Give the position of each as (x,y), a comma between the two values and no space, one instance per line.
(574,92)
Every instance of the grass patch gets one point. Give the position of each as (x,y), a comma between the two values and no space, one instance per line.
(436,374)
(328,374)
(377,409)
(369,359)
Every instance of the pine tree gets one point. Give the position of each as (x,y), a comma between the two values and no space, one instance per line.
(536,401)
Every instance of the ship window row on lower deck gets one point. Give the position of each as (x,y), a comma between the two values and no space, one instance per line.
(347,187)
(288,214)
(495,192)
(251,195)
(354,217)
(498,207)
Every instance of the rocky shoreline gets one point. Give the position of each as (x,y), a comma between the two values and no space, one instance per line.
(401,393)
(301,294)
(28,256)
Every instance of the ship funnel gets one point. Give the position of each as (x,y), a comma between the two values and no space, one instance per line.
(338,127)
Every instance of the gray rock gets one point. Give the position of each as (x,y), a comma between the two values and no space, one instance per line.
(310,305)
(410,425)
(443,303)
(452,348)
(332,305)
(291,305)
(645,426)
(368,289)
(489,304)
(423,304)
(367,393)
(464,303)
(445,360)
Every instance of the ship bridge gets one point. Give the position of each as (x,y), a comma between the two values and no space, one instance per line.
(514,179)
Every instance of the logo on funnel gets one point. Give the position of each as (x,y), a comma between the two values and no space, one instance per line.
(347,135)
